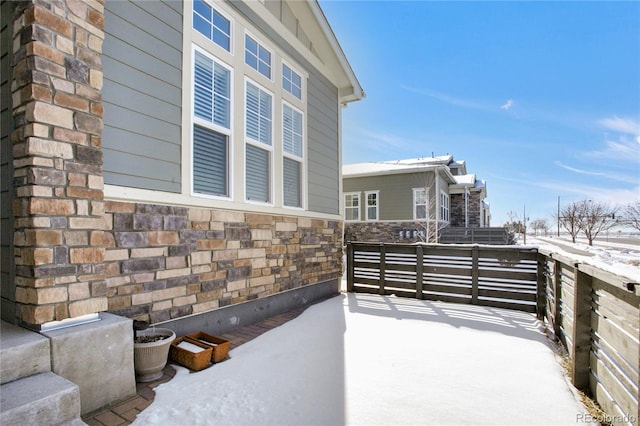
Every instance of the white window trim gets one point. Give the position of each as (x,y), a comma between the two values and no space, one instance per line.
(445,196)
(258,144)
(414,205)
(226,15)
(366,205)
(302,160)
(302,82)
(345,206)
(212,126)
(265,46)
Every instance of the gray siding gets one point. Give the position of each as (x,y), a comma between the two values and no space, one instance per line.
(142,64)
(396,193)
(7,276)
(322,123)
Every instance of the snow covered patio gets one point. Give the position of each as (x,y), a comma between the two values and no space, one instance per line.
(366,359)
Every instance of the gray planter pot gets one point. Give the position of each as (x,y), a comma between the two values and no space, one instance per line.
(150,358)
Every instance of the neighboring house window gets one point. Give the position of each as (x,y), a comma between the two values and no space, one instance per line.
(257,57)
(213,25)
(258,133)
(212,124)
(444,206)
(420,203)
(292,162)
(352,206)
(291,81)
(372,204)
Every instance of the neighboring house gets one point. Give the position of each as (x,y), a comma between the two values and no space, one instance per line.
(167,159)
(411,200)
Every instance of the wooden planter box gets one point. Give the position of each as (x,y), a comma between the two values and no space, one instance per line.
(195,361)
(219,345)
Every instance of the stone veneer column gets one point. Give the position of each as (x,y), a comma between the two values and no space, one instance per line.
(57,157)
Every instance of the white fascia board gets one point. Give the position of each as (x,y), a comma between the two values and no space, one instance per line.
(357,92)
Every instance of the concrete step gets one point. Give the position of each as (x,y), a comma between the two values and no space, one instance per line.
(23,353)
(42,399)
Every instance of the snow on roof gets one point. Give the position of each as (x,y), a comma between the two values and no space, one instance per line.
(465,179)
(395,166)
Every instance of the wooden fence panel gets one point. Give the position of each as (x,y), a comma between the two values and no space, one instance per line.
(615,348)
(594,314)
(491,276)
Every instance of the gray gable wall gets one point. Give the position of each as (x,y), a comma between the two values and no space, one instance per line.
(142,100)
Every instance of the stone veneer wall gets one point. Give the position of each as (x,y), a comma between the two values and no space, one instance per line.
(474,203)
(387,232)
(57,159)
(165,262)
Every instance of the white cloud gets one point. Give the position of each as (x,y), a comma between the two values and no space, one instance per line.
(622,140)
(609,195)
(452,100)
(621,125)
(612,176)
(507,106)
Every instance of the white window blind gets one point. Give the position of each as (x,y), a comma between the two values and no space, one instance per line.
(209,162)
(257,174)
(292,131)
(291,178)
(258,114)
(212,101)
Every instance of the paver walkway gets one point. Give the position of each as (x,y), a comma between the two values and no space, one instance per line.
(125,412)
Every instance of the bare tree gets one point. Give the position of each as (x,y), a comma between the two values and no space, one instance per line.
(570,219)
(539,225)
(514,226)
(631,215)
(428,232)
(595,217)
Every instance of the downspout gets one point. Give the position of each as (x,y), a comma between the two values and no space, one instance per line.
(437,195)
(466,207)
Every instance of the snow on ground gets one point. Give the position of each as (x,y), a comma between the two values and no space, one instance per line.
(361,359)
(620,259)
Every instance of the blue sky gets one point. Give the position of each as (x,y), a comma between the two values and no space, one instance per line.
(541,99)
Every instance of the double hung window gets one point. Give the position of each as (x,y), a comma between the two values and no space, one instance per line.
(372,204)
(212,125)
(420,203)
(292,162)
(352,206)
(258,133)
(444,206)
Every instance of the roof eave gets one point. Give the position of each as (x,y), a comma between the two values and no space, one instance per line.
(356,93)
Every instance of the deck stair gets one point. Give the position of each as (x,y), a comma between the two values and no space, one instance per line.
(30,394)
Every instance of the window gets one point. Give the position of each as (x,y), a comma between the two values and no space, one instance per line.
(352,206)
(258,133)
(372,204)
(258,114)
(210,23)
(292,146)
(257,57)
(212,124)
(444,206)
(212,91)
(291,81)
(258,174)
(420,203)
(292,131)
